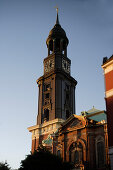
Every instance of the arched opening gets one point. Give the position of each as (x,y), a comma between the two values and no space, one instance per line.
(57,45)
(46,115)
(64,45)
(59,153)
(100,149)
(76,153)
(76,157)
(50,48)
(65,48)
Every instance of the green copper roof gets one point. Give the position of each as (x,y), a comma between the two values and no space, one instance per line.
(47,141)
(95,114)
(93,110)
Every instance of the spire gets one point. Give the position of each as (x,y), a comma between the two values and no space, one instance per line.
(57,19)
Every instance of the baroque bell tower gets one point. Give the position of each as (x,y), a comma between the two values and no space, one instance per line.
(56,100)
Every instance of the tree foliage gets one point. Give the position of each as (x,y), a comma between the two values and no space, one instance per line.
(42,159)
(4,166)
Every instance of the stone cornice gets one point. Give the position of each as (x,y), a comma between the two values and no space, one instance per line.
(45,124)
(109,93)
(107,67)
(54,72)
(46,128)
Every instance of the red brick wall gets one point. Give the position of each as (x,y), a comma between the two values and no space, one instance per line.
(109,80)
(38,141)
(109,107)
(33,146)
(86,136)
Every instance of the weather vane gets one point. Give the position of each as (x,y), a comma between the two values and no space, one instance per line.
(56,9)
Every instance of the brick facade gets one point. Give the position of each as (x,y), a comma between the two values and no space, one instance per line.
(108,76)
(83,136)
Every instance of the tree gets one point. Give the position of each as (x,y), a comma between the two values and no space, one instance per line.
(42,159)
(4,166)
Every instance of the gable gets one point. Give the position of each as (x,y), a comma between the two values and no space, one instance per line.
(76,122)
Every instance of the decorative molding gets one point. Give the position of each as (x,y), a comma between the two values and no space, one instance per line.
(109,93)
(45,124)
(45,128)
(108,67)
(97,113)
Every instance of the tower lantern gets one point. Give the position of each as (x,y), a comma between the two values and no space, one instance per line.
(57,40)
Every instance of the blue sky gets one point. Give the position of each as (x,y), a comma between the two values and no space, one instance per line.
(24,27)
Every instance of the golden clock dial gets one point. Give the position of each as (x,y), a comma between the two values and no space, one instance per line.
(66,66)
(49,65)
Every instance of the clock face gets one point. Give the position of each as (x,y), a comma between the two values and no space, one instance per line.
(66,66)
(49,65)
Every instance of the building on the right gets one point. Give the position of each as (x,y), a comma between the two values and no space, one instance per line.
(108,76)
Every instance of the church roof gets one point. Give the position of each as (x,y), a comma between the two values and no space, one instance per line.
(56,31)
(76,122)
(93,110)
(71,117)
(95,114)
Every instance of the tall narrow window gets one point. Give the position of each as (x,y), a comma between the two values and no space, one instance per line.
(67,114)
(46,115)
(76,157)
(76,153)
(100,154)
(58,153)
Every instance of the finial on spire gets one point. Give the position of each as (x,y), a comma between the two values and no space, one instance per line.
(57,20)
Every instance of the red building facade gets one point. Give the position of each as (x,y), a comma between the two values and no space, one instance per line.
(108,75)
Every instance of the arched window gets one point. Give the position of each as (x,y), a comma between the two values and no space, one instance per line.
(76,157)
(51,45)
(100,152)
(57,44)
(46,115)
(76,153)
(58,153)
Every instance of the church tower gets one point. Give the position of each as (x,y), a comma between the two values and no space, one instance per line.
(56,100)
